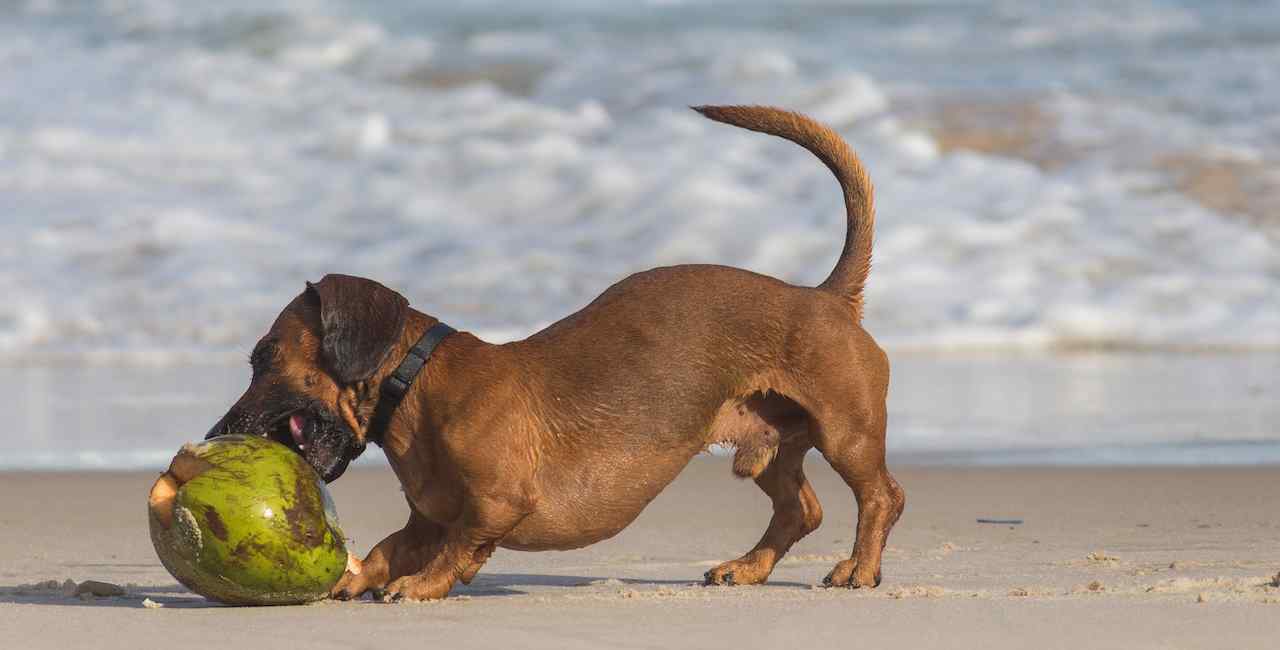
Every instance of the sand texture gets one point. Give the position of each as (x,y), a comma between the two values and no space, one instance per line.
(1104,558)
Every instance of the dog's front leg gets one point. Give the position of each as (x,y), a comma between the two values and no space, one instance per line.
(402,553)
(464,549)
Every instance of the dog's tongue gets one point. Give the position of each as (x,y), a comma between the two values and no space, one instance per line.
(296,423)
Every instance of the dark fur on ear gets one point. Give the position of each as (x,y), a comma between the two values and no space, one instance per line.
(360,321)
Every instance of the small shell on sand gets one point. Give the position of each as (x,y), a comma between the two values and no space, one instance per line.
(69,589)
(99,589)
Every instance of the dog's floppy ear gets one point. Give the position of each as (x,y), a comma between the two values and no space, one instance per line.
(360,320)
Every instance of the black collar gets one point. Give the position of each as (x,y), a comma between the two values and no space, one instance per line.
(398,382)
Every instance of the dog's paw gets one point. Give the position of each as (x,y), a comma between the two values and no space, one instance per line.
(846,574)
(349,587)
(722,578)
(355,581)
(747,570)
(416,588)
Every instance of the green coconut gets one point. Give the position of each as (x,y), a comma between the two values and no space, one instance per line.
(245,520)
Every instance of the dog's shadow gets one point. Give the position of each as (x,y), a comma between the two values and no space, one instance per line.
(509,584)
(491,585)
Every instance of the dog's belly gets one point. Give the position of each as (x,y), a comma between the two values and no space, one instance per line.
(576,509)
(543,531)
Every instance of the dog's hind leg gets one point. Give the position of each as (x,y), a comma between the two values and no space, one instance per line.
(796,513)
(855,448)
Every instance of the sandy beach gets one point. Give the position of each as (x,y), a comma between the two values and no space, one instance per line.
(1076,276)
(1105,558)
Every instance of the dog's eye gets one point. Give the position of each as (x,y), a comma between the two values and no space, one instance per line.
(261,358)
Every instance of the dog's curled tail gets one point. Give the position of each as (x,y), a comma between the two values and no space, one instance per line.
(850,274)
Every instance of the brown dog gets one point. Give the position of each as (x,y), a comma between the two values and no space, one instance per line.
(560,440)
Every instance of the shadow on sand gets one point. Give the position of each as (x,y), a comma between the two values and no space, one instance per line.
(484,586)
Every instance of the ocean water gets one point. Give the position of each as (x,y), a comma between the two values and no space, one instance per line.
(1050,176)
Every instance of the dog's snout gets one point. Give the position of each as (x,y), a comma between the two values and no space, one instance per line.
(219,429)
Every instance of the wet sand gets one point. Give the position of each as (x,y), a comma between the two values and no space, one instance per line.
(1129,407)
(1107,558)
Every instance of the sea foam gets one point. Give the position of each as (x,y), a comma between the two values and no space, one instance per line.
(172,174)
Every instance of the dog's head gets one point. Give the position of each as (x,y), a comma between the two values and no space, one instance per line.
(315,371)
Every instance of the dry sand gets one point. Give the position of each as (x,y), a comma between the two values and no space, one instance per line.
(1105,558)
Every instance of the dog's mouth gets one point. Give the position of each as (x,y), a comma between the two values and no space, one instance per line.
(320,437)
(294,430)
(324,442)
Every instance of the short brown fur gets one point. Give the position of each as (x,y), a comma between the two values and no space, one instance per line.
(560,440)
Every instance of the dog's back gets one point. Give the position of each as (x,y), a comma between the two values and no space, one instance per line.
(730,332)
(671,360)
